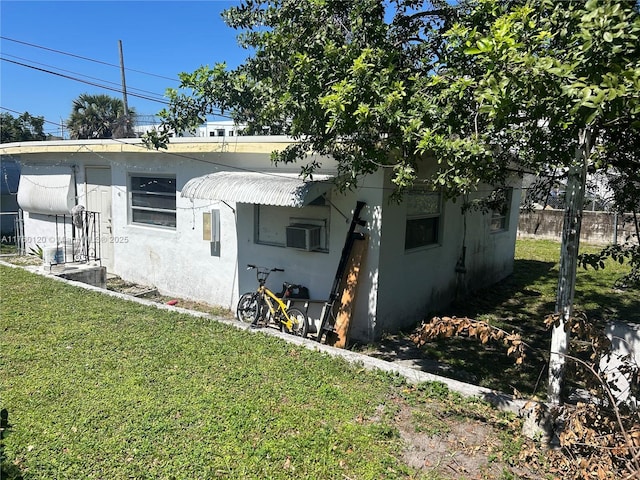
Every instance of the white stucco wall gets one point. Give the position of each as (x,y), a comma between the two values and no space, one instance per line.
(316,270)
(418,282)
(397,288)
(176,261)
(179,262)
(40,231)
(490,254)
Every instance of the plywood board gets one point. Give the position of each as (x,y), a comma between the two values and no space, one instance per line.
(349,288)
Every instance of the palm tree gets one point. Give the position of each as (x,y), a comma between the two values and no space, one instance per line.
(99,116)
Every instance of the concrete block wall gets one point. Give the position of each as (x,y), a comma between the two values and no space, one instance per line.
(599,228)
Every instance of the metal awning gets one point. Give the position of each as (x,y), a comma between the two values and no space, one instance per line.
(262,188)
(46,189)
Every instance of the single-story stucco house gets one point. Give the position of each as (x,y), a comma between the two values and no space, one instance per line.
(188,220)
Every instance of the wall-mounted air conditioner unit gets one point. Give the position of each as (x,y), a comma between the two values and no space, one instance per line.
(303,236)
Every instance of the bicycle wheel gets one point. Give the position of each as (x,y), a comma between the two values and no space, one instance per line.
(300,326)
(248,307)
(264,314)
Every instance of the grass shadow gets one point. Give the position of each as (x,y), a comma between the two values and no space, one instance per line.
(606,305)
(8,470)
(521,303)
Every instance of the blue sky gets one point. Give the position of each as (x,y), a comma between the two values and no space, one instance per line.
(159,38)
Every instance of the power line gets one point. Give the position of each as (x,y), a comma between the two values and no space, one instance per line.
(85,58)
(145,95)
(82,75)
(106,87)
(35,116)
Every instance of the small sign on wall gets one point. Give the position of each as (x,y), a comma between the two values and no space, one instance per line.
(206,226)
(211,230)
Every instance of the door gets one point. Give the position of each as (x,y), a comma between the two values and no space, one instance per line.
(98,188)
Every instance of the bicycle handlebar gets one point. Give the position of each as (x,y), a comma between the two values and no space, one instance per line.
(251,266)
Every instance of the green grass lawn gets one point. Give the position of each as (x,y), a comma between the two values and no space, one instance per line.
(98,387)
(520,303)
(101,388)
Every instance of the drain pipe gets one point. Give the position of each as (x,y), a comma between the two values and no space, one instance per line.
(460,267)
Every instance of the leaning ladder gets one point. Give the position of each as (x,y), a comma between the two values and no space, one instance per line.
(327,324)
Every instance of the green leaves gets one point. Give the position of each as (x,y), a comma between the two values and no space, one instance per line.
(336,74)
(483,45)
(627,252)
(535,65)
(23,128)
(388,83)
(362,65)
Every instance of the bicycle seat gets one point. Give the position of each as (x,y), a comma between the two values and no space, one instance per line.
(292,290)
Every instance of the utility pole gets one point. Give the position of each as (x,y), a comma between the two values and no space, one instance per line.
(561,332)
(127,125)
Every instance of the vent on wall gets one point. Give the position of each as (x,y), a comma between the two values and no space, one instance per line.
(303,237)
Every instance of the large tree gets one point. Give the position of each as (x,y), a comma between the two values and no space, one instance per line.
(342,77)
(490,88)
(24,128)
(99,116)
(543,85)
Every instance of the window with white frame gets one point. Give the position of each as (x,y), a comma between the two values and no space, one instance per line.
(152,200)
(500,213)
(424,212)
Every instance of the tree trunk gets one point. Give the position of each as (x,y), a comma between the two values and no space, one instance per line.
(574,198)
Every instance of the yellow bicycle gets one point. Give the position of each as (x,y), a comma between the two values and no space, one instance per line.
(262,307)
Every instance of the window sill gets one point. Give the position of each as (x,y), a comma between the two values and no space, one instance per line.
(280,245)
(154,228)
(431,246)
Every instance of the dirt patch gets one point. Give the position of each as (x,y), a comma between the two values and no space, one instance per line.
(463,450)
(22,260)
(457,448)
(117,284)
(439,441)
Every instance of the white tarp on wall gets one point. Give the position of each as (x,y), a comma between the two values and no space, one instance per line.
(46,189)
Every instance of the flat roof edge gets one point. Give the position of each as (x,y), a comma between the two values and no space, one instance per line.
(248,144)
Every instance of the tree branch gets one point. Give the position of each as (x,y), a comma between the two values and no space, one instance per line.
(429,13)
